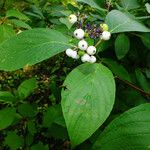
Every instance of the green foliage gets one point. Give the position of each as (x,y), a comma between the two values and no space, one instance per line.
(50,101)
(53,115)
(40,43)
(26,88)
(7,116)
(147,7)
(27,110)
(92,4)
(19,23)
(146,39)
(6,32)
(123,22)
(117,69)
(128,4)
(87,100)
(122,45)
(39,146)
(142,80)
(16,14)
(128,131)
(13,140)
(7,97)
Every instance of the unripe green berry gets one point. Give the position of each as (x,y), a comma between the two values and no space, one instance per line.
(86,34)
(81,53)
(104,27)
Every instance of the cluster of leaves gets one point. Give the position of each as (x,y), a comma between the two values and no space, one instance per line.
(41,108)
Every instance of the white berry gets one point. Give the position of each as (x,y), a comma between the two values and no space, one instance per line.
(74,55)
(79,34)
(73,19)
(85,58)
(69,52)
(83,45)
(91,50)
(105,35)
(92,59)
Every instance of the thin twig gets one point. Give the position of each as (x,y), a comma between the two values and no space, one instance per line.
(3,20)
(98,43)
(134,87)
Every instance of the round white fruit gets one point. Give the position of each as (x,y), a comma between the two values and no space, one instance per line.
(91,50)
(74,55)
(92,59)
(79,34)
(85,58)
(83,45)
(105,35)
(73,18)
(69,52)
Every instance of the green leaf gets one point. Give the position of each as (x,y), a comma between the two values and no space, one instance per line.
(53,115)
(13,140)
(31,47)
(92,4)
(27,110)
(147,7)
(117,69)
(6,97)
(28,139)
(130,131)
(122,22)
(31,127)
(16,14)
(7,116)
(146,39)
(39,146)
(122,45)
(87,100)
(143,82)
(129,4)
(20,23)
(66,22)
(147,72)
(58,132)
(6,32)
(104,45)
(26,88)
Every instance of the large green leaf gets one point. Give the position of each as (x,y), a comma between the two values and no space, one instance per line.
(130,131)
(87,100)
(31,47)
(7,116)
(123,22)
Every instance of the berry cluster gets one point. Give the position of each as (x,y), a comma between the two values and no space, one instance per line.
(85,51)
